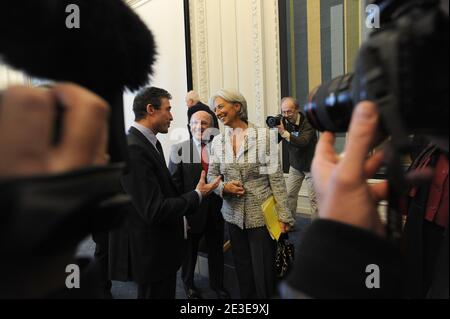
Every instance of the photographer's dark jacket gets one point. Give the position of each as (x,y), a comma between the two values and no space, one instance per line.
(301,144)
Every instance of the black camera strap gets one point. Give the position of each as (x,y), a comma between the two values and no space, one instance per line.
(397,189)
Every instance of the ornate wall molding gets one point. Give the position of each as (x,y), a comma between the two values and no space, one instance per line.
(199,43)
(255,42)
(136,3)
(277,50)
(202,46)
(194,59)
(258,59)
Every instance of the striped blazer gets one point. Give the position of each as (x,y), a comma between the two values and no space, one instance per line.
(257,166)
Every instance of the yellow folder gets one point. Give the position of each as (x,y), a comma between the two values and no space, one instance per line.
(271,218)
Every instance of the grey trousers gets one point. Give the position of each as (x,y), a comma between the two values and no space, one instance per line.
(293,184)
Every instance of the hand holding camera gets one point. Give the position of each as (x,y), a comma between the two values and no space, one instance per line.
(279,122)
(340,184)
(399,68)
(274,121)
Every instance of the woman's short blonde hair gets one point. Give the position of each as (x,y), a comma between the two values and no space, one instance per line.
(231,97)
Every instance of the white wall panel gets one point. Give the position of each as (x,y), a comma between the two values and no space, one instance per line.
(214,42)
(272,86)
(229,44)
(241,51)
(245,55)
(165,18)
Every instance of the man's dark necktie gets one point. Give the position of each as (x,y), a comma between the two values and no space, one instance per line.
(160,150)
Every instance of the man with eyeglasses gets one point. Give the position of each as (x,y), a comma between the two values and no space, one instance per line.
(300,139)
(187,161)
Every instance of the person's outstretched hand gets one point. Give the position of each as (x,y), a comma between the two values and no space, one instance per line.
(341,183)
(206,189)
(27,117)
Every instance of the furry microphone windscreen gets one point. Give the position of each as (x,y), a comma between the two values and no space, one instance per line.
(110,48)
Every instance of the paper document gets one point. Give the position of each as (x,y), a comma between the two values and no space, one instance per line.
(271,218)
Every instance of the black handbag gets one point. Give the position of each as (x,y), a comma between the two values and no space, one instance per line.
(284,258)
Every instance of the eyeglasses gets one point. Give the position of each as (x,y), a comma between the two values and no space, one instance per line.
(202,123)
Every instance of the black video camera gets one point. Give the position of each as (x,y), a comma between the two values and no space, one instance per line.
(274,121)
(403,68)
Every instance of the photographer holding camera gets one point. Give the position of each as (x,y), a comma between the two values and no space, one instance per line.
(350,234)
(402,68)
(300,139)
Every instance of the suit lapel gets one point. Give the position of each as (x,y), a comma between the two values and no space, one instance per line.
(250,145)
(153,153)
(145,141)
(250,141)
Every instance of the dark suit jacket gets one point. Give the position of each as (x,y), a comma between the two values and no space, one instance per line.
(152,239)
(185,167)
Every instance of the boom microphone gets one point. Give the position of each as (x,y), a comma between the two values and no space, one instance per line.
(110,51)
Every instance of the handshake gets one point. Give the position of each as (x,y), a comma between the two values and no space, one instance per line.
(234,188)
(206,189)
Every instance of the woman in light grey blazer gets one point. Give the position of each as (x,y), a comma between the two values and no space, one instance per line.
(247,158)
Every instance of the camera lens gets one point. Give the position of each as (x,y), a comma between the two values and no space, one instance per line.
(273,121)
(330,105)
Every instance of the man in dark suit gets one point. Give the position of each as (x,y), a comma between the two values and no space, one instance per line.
(154,243)
(187,161)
